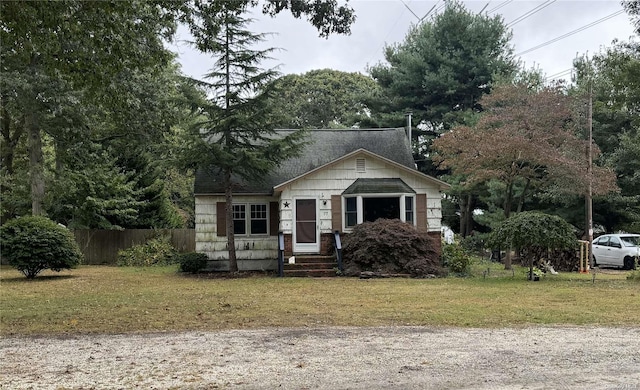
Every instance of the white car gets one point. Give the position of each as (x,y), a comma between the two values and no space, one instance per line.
(617,250)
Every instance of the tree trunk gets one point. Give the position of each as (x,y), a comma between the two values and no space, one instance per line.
(463,216)
(508,201)
(228,186)
(523,195)
(36,165)
(8,143)
(466,215)
(231,241)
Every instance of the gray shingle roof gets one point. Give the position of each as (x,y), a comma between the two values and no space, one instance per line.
(378,186)
(323,147)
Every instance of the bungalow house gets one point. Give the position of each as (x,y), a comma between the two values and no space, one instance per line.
(342,178)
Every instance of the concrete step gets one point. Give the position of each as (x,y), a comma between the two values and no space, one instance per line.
(313,266)
(302,259)
(310,273)
(310,266)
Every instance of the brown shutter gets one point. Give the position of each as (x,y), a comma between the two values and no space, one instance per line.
(421,211)
(274,218)
(221,219)
(336,213)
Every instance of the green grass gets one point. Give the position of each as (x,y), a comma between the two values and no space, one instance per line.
(96,299)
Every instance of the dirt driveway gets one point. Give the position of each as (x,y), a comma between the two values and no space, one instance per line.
(330,358)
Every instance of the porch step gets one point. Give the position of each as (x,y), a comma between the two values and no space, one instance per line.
(314,266)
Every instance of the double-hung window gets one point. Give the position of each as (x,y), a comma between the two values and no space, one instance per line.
(360,208)
(409,212)
(351,212)
(250,219)
(258,220)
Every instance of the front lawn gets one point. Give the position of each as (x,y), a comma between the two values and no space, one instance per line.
(97,299)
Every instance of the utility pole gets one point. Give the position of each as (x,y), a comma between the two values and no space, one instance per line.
(589,198)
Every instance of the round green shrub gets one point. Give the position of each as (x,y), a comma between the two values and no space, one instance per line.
(157,251)
(535,235)
(33,244)
(456,259)
(193,262)
(390,246)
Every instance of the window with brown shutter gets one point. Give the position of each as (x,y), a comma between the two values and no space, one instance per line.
(256,214)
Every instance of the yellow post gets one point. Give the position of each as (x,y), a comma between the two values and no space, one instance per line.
(583,265)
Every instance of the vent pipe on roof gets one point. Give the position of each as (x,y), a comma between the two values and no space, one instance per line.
(408,115)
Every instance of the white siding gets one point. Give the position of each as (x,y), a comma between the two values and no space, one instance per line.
(338,177)
(260,252)
(253,253)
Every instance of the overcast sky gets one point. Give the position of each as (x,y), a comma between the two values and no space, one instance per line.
(381,22)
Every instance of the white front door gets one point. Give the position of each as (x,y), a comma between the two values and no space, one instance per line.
(306,236)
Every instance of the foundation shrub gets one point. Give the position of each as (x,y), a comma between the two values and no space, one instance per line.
(192,262)
(390,246)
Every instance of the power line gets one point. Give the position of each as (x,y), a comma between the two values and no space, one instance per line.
(410,10)
(420,19)
(561,74)
(392,28)
(571,33)
(400,16)
(530,13)
(499,6)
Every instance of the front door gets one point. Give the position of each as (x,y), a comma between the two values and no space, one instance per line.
(305,234)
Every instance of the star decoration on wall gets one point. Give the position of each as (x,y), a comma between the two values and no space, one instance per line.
(286,205)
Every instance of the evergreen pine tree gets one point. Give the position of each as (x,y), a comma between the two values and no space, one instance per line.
(237,138)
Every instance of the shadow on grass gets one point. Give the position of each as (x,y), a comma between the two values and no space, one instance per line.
(228,275)
(42,278)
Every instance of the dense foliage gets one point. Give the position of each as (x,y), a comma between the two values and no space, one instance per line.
(32,244)
(524,140)
(156,251)
(321,99)
(443,67)
(91,118)
(192,262)
(456,258)
(534,234)
(390,247)
(612,76)
(77,106)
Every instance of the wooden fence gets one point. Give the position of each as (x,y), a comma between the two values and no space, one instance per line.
(100,247)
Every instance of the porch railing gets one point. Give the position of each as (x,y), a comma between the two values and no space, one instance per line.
(280,254)
(338,246)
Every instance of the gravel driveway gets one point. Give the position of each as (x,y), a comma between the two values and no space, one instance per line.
(330,358)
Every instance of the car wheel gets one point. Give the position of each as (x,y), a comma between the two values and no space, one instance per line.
(629,263)
(595,263)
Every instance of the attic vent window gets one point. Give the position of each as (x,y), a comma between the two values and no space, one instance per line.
(361,165)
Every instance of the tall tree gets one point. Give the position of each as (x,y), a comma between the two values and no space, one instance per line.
(439,73)
(323,98)
(78,86)
(525,140)
(613,77)
(442,69)
(633,9)
(69,46)
(237,137)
